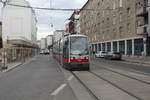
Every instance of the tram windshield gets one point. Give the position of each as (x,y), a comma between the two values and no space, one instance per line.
(78,46)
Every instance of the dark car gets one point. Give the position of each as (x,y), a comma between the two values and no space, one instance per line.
(113,56)
(46,52)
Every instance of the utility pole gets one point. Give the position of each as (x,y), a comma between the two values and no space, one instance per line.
(149,17)
(51,15)
(4,51)
(4,3)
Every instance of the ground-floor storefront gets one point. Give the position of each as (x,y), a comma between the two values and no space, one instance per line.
(134,46)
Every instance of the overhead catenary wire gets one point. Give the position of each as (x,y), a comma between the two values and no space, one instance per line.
(60,9)
(55,9)
(66,9)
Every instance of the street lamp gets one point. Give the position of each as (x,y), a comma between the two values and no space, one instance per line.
(4,2)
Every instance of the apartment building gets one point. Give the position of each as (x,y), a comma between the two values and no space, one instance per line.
(43,44)
(58,34)
(74,24)
(117,25)
(19,24)
(49,40)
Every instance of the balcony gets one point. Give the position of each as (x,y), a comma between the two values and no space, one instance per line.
(142,29)
(142,11)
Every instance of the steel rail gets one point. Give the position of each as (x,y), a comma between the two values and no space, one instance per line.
(142,81)
(85,86)
(131,94)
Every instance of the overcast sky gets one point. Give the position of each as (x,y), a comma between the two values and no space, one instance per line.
(57,18)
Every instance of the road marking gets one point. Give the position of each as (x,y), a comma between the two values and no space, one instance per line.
(70,78)
(61,87)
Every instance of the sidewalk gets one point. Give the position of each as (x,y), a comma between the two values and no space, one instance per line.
(11,66)
(137,59)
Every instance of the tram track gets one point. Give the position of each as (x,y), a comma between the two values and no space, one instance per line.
(131,70)
(85,86)
(94,95)
(109,82)
(129,93)
(142,81)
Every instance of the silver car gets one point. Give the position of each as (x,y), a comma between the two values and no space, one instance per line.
(100,54)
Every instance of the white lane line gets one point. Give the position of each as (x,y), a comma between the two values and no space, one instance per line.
(70,78)
(61,87)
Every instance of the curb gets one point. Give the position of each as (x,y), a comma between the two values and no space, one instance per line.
(11,68)
(136,62)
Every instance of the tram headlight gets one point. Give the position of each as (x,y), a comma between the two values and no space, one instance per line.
(72,58)
(86,57)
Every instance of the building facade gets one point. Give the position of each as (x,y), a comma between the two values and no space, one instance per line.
(43,44)
(74,24)
(38,42)
(117,25)
(58,35)
(49,40)
(19,24)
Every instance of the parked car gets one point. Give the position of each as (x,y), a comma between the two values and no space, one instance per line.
(42,52)
(113,56)
(100,54)
(46,52)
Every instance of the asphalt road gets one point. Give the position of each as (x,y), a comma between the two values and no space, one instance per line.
(38,78)
(35,80)
(121,65)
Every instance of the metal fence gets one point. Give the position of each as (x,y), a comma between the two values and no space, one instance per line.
(15,54)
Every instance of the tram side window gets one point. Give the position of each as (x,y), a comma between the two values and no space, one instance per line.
(66,49)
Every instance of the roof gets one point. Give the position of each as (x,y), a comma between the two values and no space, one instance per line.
(59,31)
(77,35)
(84,5)
(72,16)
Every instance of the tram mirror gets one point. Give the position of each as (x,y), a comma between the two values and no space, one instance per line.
(66,42)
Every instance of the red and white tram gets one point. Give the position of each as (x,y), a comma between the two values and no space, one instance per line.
(72,51)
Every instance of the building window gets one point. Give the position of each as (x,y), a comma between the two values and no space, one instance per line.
(139,23)
(120,17)
(138,46)
(107,19)
(114,30)
(120,3)
(115,46)
(103,13)
(98,3)
(95,37)
(129,47)
(103,47)
(114,5)
(114,19)
(98,14)
(103,21)
(108,47)
(128,27)
(128,11)
(99,46)
(122,47)
(120,30)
